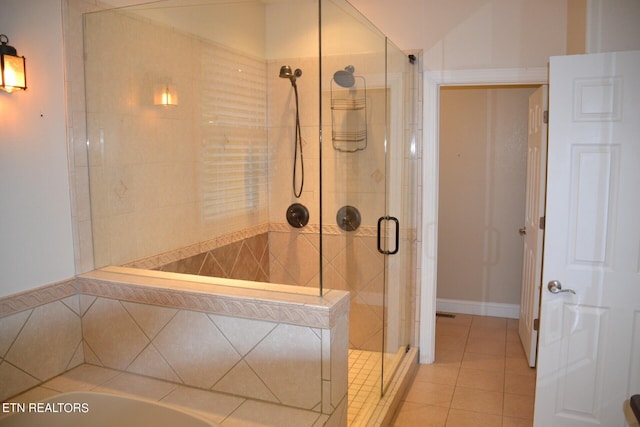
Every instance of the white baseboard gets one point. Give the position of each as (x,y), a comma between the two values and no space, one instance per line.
(511,311)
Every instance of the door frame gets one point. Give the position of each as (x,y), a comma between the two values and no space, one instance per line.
(432,82)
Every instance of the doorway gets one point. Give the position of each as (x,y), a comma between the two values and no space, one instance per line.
(433,82)
(482,188)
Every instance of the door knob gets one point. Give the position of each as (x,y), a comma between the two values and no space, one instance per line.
(555,287)
(522,231)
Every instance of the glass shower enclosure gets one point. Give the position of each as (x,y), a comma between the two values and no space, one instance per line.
(259,141)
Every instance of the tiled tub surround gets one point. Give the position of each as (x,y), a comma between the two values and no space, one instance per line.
(220,408)
(40,336)
(275,348)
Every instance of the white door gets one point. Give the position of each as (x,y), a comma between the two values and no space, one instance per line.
(589,346)
(534,211)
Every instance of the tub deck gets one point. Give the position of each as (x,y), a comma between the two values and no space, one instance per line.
(220,408)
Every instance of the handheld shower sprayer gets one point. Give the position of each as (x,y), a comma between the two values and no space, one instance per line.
(286,73)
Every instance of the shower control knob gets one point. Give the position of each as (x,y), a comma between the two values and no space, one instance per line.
(297,215)
(348,218)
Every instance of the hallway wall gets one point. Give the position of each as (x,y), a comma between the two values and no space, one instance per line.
(483,148)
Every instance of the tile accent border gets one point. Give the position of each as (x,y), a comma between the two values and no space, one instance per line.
(282,227)
(36,297)
(262,304)
(250,303)
(334,230)
(157,260)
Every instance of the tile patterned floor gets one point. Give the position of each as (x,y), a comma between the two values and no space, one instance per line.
(364,385)
(480,378)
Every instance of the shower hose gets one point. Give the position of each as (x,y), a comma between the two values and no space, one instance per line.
(298,148)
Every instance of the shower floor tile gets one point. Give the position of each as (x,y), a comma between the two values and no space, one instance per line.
(364,385)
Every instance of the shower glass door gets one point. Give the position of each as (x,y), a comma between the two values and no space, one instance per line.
(401,179)
(362,118)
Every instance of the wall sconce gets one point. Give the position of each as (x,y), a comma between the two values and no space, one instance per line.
(165,94)
(13,75)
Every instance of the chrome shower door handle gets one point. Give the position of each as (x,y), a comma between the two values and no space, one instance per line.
(555,287)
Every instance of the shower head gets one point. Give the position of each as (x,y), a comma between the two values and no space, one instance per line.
(345,78)
(286,73)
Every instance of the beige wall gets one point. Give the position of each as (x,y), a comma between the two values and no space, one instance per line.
(483,146)
(576,26)
(602,26)
(612,25)
(473,34)
(36,246)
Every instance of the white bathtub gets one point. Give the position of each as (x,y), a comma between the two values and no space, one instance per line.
(89,409)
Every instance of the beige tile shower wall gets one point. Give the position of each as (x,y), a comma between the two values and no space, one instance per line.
(132,150)
(356,179)
(294,256)
(245,259)
(151,172)
(351,263)
(350,260)
(38,343)
(281,121)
